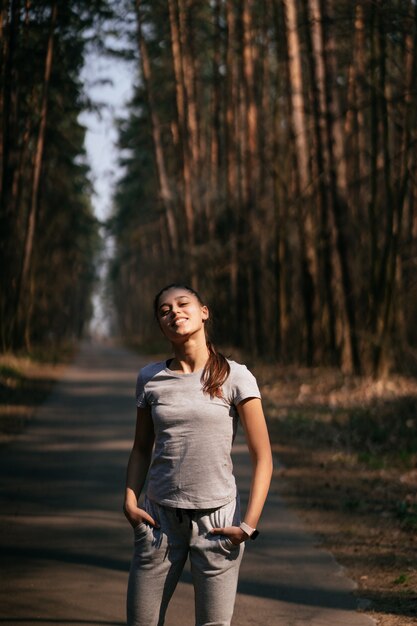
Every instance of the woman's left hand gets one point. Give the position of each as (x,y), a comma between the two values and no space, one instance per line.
(235,534)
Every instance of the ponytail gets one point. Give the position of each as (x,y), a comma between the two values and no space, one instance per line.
(215,372)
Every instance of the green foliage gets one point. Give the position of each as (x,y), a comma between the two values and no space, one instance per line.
(407,513)
(55,305)
(401,579)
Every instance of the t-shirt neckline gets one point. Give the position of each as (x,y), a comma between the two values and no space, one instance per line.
(173,373)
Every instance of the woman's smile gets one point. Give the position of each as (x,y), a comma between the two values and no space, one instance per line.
(179,322)
(179,319)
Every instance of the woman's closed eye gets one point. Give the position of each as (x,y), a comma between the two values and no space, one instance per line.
(164,312)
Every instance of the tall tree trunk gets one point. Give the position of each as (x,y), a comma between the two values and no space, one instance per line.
(248,147)
(338,187)
(266,213)
(181,98)
(9,46)
(373,188)
(252,176)
(358,157)
(395,196)
(316,69)
(4,19)
(8,155)
(409,134)
(213,194)
(248,64)
(279,234)
(189,74)
(164,185)
(355,115)
(384,285)
(24,284)
(232,178)
(187,12)
(307,242)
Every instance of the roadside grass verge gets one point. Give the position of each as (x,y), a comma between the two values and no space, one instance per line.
(347,450)
(25,382)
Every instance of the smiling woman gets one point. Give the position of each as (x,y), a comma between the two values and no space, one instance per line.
(176,311)
(180,312)
(188,409)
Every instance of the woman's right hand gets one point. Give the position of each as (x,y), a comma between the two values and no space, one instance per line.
(136,516)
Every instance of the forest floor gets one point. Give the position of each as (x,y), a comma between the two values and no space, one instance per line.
(24,384)
(347,450)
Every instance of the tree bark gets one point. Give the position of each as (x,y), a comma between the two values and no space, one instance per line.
(8,155)
(338,188)
(395,192)
(164,185)
(232,177)
(8,128)
(23,283)
(355,117)
(187,175)
(189,75)
(306,234)
(252,153)
(213,194)
(316,69)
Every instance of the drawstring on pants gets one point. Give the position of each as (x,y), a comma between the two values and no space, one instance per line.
(190,513)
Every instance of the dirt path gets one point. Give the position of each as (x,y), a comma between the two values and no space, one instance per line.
(65,546)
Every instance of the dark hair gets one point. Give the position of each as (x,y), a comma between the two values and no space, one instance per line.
(217,368)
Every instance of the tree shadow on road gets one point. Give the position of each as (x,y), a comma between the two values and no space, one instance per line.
(41,554)
(53,620)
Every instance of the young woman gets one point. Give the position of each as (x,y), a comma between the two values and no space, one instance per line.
(187,413)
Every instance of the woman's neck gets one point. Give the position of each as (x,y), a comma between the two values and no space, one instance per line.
(189,357)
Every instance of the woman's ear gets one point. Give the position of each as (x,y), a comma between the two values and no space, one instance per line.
(205,312)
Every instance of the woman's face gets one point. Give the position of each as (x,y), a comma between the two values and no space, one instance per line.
(180,314)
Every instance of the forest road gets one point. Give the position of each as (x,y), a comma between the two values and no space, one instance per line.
(65,545)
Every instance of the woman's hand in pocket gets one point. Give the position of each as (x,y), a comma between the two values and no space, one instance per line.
(136,516)
(234,533)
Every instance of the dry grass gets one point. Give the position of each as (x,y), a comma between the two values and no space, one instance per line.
(24,384)
(349,453)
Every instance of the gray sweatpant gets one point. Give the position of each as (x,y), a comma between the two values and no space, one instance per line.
(160,555)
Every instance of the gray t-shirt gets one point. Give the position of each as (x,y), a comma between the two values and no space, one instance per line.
(191,465)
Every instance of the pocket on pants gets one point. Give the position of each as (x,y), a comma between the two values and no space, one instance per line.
(227,515)
(140,532)
(140,528)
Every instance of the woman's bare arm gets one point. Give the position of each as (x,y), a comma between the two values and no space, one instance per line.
(137,468)
(254,424)
(253,420)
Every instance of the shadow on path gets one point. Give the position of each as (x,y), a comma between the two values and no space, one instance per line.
(64,544)
(43,620)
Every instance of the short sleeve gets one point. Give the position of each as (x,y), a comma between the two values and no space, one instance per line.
(244,385)
(141,402)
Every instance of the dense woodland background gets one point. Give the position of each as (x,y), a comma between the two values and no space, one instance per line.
(48,235)
(269,160)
